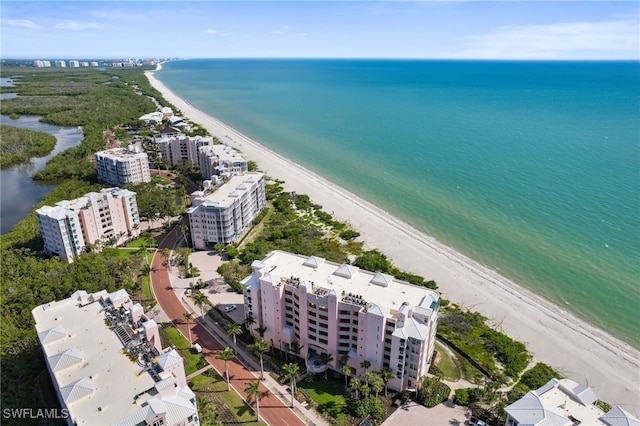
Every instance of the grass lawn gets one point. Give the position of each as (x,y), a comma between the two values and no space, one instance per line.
(329,395)
(191,359)
(447,364)
(141,242)
(211,382)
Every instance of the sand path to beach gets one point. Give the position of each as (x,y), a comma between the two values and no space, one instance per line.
(578,350)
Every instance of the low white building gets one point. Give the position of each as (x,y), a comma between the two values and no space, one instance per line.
(343,311)
(123,166)
(225,210)
(564,403)
(67,227)
(107,364)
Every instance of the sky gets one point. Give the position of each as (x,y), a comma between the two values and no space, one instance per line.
(554,30)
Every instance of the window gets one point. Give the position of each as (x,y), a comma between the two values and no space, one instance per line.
(324,341)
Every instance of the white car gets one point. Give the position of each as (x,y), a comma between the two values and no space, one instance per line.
(476,422)
(230,308)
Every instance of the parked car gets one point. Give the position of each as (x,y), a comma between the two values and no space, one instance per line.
(230,308)
(474,421)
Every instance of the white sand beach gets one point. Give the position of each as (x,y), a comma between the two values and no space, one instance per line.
(573,347)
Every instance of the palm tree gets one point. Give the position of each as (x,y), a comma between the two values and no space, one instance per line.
(344,358)
(248,322)
(377,384)
(386,375)
(346,370)
(167,253)
(184,228)
(326,359)
(261,330)
(200,299)
(253,391)
(365,364)
(296,347)
(234,330)
(188,316)
(356,385)
(226,354)
(292,371)
(260,347)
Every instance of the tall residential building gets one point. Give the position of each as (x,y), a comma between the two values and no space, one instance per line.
(225,210)
(110,216)
(107,365)
(564,403)
(74,64)
(41,64)
(312,306)
(122,166)
(61,64)
(182,149)
(215,160)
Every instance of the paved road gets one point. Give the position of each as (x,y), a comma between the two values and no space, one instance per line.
(272,410)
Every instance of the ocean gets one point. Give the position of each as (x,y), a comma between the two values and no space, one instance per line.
(532,168)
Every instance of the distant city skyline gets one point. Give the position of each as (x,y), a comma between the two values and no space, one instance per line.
(321,29)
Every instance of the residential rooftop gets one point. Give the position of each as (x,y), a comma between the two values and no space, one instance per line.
(223,192)
(349,282)
(105,370)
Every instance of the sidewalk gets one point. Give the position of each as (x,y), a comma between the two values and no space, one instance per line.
(309,417)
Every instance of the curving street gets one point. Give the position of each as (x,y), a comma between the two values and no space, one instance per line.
(272,411)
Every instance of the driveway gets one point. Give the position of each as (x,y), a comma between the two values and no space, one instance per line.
(220,295)
(445,414)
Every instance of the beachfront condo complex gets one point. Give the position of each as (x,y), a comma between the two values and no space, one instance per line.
(123,166)
(107,365)
(110,216)
(309,307)
(224,211)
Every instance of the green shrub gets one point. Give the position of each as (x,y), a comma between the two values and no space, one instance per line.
(538,375)
(349,234)
(432,392)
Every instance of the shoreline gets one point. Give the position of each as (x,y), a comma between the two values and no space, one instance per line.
(589,355)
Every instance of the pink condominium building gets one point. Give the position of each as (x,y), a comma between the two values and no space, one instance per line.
(320,307)
(110,216)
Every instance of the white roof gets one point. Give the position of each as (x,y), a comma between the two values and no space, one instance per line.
(99,383)
(530,410)
(76,390)
(343,279)
(558,402)
(55,333)
(225,195)
(346,271)
(619,417)
(169,359)
(65,359)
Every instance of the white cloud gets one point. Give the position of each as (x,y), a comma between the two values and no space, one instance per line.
(76,26)
(216,32)
(557,41)
(25,23)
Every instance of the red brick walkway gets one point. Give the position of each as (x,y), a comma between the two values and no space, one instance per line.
(272,410)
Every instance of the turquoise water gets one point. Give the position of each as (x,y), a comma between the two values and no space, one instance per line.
(531,168)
